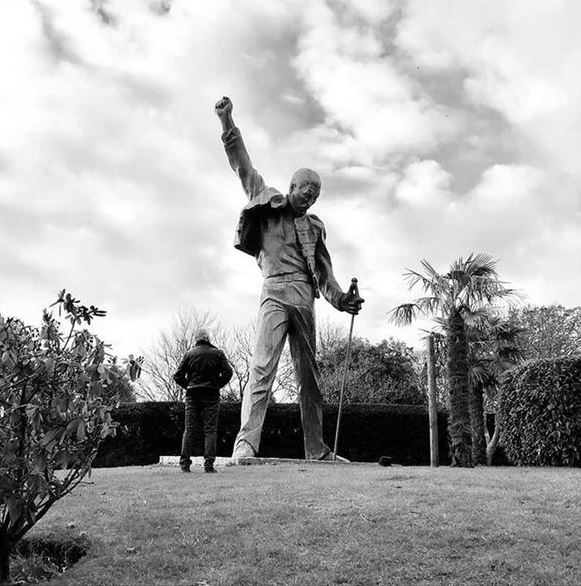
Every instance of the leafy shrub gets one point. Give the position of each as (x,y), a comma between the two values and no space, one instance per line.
(56,393)
(541,413)
(378,373)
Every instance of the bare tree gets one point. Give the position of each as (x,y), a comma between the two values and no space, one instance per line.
(239,348)
(239,352)
(330,337)
(163,358)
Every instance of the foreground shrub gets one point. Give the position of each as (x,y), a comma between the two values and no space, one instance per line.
(541,413)
(56,393)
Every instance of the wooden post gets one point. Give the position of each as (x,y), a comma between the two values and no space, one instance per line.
(432,405)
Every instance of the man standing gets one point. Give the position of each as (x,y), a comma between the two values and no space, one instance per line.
(289,246)
(203,371)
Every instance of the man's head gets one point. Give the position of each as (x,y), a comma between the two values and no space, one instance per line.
(201,335)
(304,190)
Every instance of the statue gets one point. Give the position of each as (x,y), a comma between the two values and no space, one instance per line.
(289,246)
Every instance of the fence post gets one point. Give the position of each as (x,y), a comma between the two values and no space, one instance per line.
(432,405)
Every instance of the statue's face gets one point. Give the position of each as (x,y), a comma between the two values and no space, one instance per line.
(304,190)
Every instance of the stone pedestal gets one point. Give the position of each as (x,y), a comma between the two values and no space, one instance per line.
(199,461)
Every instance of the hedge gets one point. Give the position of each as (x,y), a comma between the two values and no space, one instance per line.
(541,413)
(148,430)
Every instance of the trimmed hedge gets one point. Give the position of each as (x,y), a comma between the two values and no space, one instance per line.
(541,413)
(148,430)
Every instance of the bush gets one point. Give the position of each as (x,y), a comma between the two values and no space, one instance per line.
(378,373)
(57,390)
(149,430)
(541,413)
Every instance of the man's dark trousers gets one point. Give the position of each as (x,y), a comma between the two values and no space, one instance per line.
(201,427)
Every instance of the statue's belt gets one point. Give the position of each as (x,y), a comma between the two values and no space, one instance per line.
(288,278)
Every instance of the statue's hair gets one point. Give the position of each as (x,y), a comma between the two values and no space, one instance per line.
(304,173)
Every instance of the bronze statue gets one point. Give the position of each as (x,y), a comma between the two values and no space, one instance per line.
(289,246)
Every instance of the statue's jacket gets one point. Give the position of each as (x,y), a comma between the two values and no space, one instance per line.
(265,201)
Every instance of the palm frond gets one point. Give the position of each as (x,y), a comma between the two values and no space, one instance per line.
(481,264)
(437,334)
(476,317)
(414,278)
(433,274)
(459,277)
(480,374)
(428,305)
(404,314)
(442,322)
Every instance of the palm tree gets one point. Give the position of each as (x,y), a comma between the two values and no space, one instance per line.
(455,299)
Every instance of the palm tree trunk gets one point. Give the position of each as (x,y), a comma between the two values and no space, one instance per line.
(491,447)
(477,425)
(459,422)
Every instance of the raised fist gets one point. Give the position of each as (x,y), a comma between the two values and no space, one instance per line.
(223,107)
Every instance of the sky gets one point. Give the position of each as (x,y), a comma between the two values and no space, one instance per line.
(438,129)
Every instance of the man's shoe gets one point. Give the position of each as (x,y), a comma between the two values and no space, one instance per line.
(185,468)
(211,470)
(330,457)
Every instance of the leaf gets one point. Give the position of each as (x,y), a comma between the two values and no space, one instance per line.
(108,429)
(15,508)
(7,360)
(31,411)
(96,389)
(49,365)
(63,404)
(81,435)
(50,436)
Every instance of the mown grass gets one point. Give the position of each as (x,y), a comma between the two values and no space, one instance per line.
(314,525)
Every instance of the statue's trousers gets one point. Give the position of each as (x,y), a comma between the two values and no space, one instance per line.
(286,308)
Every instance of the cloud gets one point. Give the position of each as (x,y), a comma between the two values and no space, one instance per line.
(434,136)
(518,58)
(379,110)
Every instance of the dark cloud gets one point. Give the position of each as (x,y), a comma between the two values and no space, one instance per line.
(99,7)
(57,42)
(161,7)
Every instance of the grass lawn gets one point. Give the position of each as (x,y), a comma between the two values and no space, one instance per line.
(309,525)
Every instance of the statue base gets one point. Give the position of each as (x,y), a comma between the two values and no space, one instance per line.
(254,461)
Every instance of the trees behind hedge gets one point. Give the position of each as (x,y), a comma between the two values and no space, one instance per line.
(383,372)
(549,331)
(540,409)
(56,393)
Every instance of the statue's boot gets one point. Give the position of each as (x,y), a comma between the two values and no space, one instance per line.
(331,456)
(242,450)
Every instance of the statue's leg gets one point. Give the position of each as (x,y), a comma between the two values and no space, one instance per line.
(302,341)
(271,330)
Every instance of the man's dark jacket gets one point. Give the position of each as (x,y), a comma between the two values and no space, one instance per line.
(204,369)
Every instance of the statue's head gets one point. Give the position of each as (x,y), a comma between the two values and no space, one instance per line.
(304,190)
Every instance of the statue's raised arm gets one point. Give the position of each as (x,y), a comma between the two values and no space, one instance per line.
(236,151)
(223,109)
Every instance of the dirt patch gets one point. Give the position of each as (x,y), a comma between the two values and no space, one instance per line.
(40,558)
